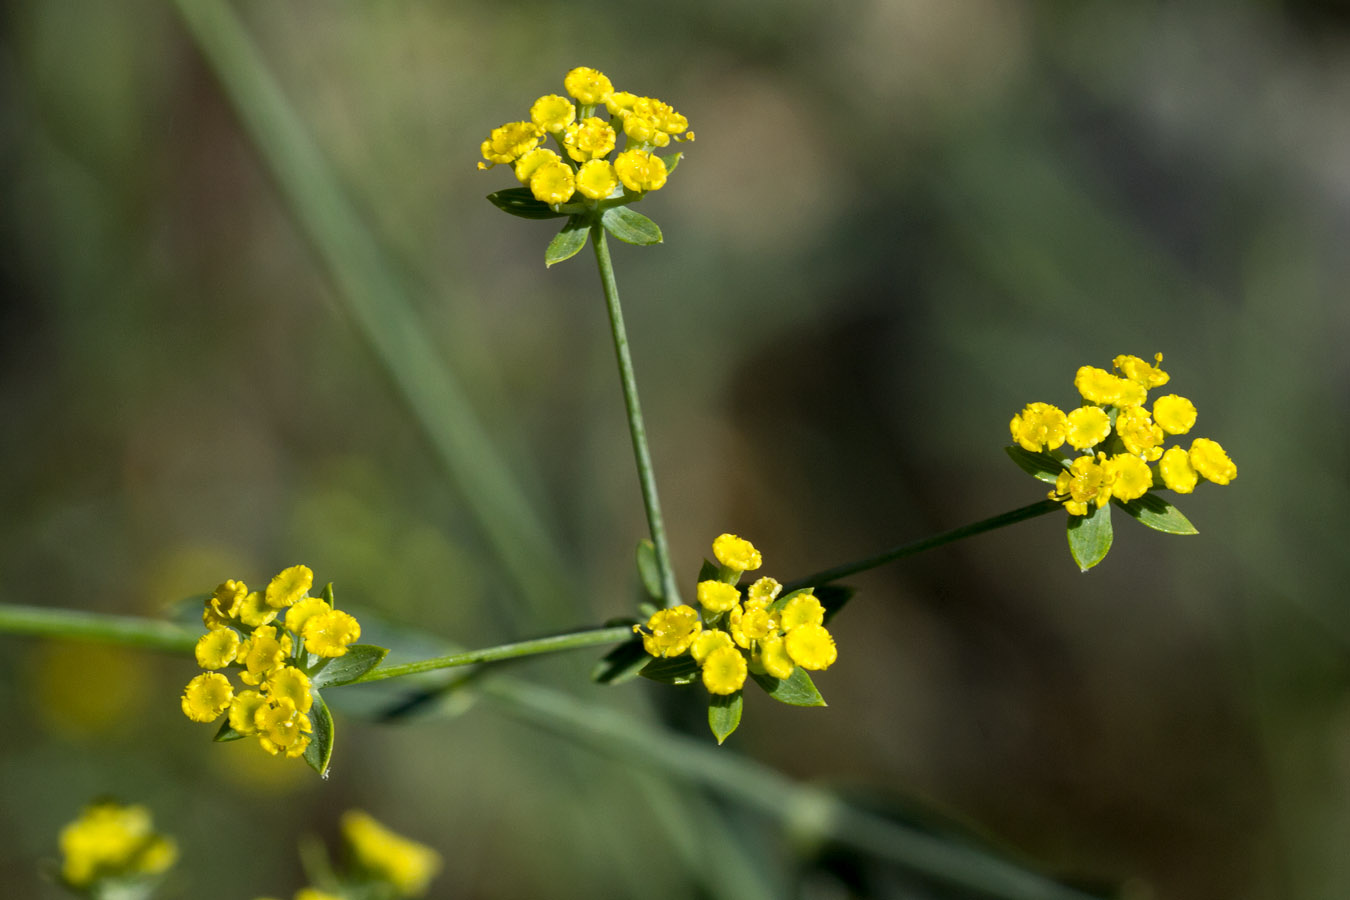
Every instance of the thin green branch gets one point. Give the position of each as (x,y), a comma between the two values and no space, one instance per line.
(635,425)
(947,537)
(77,625)
(809,813)
(553,644)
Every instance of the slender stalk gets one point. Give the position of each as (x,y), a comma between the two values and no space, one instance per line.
(635,426)
(77,625)
(809,813)
(553,644)
(947,537)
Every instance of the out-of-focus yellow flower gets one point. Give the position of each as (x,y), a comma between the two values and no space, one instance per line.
(1040,426)
(1210,460)
(736,553)
(403,863)
(206,697)
(111,841)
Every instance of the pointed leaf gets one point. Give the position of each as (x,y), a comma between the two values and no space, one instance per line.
(1090,537)
(227,733)
(833,597)
(1041,465)
(520,202)
(783,599)
(630,227)
(672,160)
(568,242)
(671,670)
(724,714)
(1158,514)
(328,595)
(709,571)
(320,749)
(620,664)
(357,661)
(648,570)
(796,690)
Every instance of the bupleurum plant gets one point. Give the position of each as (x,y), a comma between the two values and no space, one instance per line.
(284,645)
(1120,453)
(113,850)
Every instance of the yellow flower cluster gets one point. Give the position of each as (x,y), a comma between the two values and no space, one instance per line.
(111,842)
(737,634)
(273,656)
(1120,439)
(585,139)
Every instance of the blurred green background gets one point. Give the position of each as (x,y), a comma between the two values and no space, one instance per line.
(902,220)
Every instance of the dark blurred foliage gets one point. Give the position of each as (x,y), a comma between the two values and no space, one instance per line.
(902,220)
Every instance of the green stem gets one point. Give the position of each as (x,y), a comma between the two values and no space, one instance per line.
(77,625)
(947,537)
(811,814)
(553,644)
(635,426)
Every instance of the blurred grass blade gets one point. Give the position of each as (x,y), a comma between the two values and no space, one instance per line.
(378,303)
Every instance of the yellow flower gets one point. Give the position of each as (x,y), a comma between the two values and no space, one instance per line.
(311,893)
(254,611)
(587,85)
(1039,426)
(553,113)
(509,142)
(290,684)
(300,613)
(753,624)
(330,633)
(707,642)
(619,102)
(283,728)
(223,605)
(1084,483)
(553,183)
(1138,432)
(289,586)
(1087,427)
(263,654)
(217,648)
(1177,471)
(206,697)
(736,553)
(763,592)
(724,671)
(1100,386)
(1175,415)
(669,632)
(591,138)
(1140,372)
(811,647)
(1210,460)
(528,164)
(596,179)
(803,609)
(716,596)
(774,659)
(406,864)
(244,711)
(1130,476)
(109,840)
(640,171)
